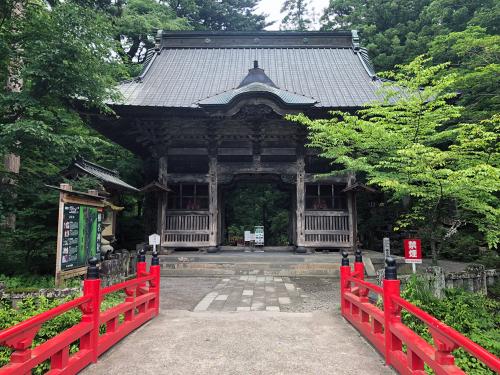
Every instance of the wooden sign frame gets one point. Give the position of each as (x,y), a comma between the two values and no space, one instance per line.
(68,196)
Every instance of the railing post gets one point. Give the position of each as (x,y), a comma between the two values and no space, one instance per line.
(141,267)
(345,272)
(359,267)
(92,288)
(391,310)
(155,270)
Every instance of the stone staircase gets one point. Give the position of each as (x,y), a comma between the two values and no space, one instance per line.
(260,264)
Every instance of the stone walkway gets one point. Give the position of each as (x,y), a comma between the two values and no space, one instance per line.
(250,293)
(244,326)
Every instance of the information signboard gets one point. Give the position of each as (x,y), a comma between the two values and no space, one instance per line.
(259,236)
(79,231)
(81,235)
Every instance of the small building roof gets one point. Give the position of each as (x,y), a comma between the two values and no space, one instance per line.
(192,69)
(107,176)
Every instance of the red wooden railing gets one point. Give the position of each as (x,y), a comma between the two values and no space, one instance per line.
(141,304)
(385,330)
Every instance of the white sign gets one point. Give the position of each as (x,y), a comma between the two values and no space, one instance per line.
(259,236)
(387,247)
(249,236)
(154,239)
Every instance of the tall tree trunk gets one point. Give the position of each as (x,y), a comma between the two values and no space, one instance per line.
(14,84)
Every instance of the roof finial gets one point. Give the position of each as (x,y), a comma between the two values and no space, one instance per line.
(255,64)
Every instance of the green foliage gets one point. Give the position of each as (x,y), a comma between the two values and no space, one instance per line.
(259,204)
(473,315)
(137,23)
(410,145)
(395,32)
(475,57)
(297,15)
(465,33)
(60,54)
(27,281)
(215,15)
(32,306)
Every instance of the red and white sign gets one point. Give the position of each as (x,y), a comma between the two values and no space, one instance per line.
(413,250)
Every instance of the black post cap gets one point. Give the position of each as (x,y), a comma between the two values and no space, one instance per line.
(358,256)
(92,269)
(141,256)
(155,261)
(391,272)
(345,259)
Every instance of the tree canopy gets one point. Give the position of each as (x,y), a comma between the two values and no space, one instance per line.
(412,145)
(297,15)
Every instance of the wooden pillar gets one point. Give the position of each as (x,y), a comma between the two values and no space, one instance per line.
(213,207)
(162,198)
(300,205)
(351,206)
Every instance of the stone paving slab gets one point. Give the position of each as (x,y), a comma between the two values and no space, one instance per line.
(242,343)
(256,292)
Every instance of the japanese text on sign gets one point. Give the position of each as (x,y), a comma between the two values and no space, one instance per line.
(413,250)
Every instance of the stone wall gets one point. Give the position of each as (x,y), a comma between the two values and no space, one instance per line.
(475,278)
(15,297)
(118,268)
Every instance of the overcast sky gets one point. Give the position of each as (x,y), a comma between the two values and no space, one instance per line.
(272,7)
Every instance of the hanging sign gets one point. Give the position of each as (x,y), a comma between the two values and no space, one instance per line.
(413,250)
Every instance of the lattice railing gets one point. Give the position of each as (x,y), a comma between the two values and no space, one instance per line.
(402,348)
(327,228)
(142,303)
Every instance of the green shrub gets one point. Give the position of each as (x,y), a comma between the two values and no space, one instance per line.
(474,315)
(33,306)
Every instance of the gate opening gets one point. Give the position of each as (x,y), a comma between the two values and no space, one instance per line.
(250,204)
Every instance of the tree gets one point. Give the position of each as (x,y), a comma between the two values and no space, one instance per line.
(66,54)
(475,58)
(215,15)
(138,22)
(297,16)
(395,32)
(411,145)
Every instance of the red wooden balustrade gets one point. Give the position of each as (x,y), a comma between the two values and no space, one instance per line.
(385,330)
(141,304)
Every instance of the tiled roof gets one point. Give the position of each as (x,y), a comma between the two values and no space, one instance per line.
(185,73)
(106,175)
(289,98)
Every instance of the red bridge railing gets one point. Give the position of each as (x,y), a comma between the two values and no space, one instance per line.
(402,348)
(142,303)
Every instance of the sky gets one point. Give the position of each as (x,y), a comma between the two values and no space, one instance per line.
(272,7)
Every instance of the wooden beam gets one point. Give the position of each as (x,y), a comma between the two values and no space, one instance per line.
(195,178)
(231,151)
(311,177)
(278,151)
(187,151)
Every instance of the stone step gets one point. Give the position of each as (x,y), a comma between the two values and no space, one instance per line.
(264,264)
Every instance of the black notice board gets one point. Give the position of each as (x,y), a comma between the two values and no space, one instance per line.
(81,235)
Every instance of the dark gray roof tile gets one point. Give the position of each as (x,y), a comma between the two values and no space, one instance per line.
(182,77)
